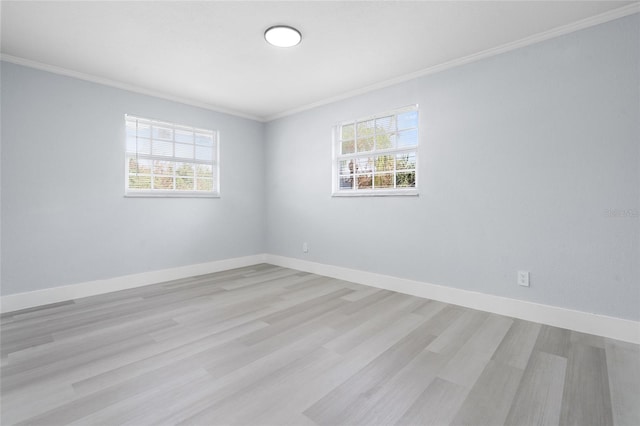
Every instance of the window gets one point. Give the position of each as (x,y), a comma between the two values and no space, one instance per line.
(377,155)
(171,160)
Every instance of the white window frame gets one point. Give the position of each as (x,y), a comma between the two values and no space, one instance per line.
(214,163)
(336,191)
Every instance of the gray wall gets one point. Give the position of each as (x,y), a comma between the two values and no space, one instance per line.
(521,156)
(64,217)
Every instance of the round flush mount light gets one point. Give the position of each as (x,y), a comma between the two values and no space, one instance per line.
(282,36)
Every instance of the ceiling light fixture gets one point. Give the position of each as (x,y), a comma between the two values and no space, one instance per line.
(282,36)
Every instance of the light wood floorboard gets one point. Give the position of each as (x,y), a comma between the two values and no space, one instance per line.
(266,345)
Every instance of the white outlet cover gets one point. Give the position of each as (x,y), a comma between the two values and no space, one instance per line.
(523,278)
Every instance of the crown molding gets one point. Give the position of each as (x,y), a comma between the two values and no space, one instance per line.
(527,41)
(124,86)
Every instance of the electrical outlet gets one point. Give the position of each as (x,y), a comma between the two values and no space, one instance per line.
(523,278)
(305,248)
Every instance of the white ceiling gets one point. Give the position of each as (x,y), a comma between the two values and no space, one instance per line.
(213,53)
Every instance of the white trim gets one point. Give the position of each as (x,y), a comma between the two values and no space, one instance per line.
(144,193)
(375,193)
(601,325)
(123,86)
(14,302)
(507,47)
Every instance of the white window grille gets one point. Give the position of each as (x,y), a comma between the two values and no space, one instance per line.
(172,160)
(377,155)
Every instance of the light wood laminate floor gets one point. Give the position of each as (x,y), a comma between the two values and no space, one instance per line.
(270,345)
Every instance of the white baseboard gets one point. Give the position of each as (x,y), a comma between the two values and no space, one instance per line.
(601,325)
(14,302)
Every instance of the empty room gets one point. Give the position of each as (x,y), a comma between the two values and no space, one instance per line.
(320,213)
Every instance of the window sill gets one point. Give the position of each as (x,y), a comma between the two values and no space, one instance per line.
(170,194)
(376,193)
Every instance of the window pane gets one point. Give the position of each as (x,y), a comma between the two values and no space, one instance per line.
(162,148)
(131,144)
(366,128)
(384,163)
(185,136)
(364,181)
(184,151)
(346,167)
(386,124)
(348,147)
(162,182)
(346,132)
(139,182)
(408,138)
(204,139)
(162,133)
(163,168)
(133,165)
(204,170)
(346,182)
(385,140)
(184,184)
(383,180)
(143,145)
(365,144)
(139,166)
(184,169)
(144,130)
(406,161)
(408,120)
(364,165)
(204,153)
(406,180)
(130,128)
(204,185)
